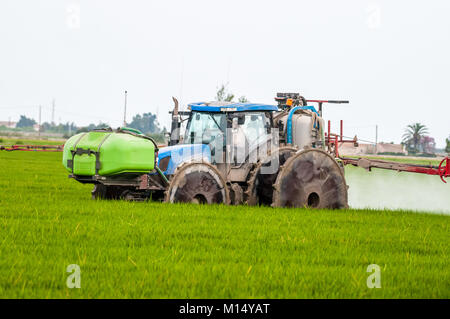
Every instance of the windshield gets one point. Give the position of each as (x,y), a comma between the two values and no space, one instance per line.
(204,128)
(254,127)
(245,132)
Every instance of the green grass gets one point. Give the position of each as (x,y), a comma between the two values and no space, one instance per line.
(151,250)
(23,141)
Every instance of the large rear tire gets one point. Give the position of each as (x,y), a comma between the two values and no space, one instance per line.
(199,183)
(311,178)
(263,176)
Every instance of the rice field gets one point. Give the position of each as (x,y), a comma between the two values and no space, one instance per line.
(154,250)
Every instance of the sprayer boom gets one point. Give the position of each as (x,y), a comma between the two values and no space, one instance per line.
(443,170)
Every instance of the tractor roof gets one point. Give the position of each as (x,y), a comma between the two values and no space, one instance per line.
(230,107)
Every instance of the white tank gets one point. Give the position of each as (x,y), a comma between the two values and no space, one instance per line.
(302,130)
(304,133)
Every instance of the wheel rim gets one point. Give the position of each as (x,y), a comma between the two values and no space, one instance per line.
(198,183)
(311,178)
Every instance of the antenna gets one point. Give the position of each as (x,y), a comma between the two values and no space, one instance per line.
(125,111)
(181,78)
(228,70)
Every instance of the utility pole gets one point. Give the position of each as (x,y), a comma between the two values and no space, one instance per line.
(181,79)
(53,111)
(376,138)
(125,111)
(39,129)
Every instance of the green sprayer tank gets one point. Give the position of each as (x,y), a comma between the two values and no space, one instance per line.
(108,153)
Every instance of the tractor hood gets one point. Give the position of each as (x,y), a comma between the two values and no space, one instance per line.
(170,157)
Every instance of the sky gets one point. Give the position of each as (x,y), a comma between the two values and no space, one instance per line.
(391,59)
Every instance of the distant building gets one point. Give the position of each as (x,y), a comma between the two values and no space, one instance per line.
(428,145)
(391,148)
(349,148)
(8,124)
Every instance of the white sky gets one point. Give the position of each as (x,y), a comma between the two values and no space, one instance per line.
(389,58)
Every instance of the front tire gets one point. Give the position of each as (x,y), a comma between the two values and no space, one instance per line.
(197,183)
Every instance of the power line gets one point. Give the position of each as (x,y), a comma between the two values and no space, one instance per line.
(86,115)
(359,139)
(53,111)
(125,111)
(18,107)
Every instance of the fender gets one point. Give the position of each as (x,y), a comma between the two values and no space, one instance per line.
(182,153)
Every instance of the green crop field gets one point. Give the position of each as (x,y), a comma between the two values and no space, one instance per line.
(7,141)
(152,250)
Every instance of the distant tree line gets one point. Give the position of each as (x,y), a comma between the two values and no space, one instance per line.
(25,122)
(146,123)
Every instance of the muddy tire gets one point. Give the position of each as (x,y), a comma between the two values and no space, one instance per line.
(311,178)
(263,176)
(236,194)
(199,183)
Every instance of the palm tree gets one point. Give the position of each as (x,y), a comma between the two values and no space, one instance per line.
(413,134)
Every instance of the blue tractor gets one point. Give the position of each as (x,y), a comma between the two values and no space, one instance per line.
(247,153)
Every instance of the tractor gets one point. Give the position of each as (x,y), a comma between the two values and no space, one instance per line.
(257,155)
(226,153)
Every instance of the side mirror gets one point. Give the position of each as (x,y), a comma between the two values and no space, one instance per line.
(268,128)
(241,119)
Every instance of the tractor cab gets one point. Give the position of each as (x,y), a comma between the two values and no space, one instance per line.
(235,132)
(249,146)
